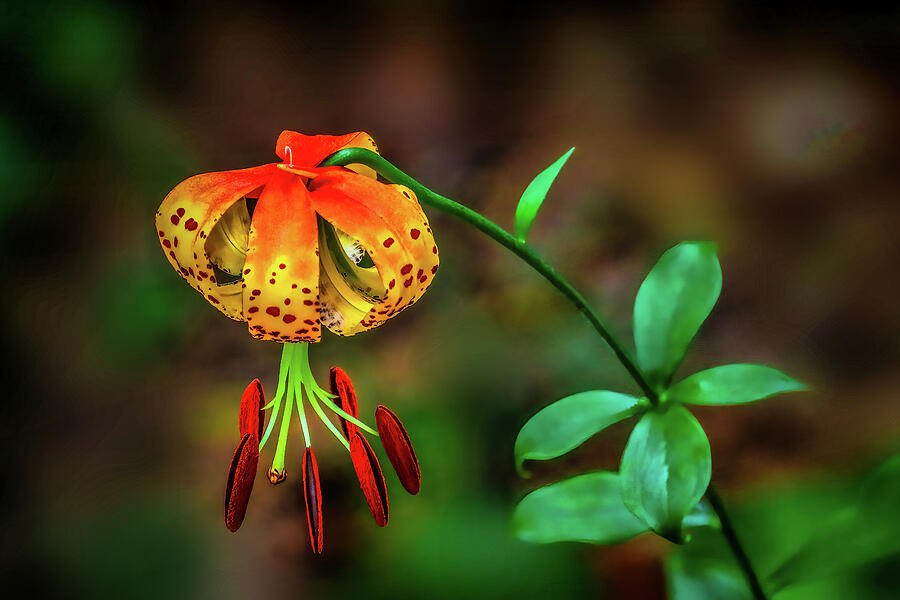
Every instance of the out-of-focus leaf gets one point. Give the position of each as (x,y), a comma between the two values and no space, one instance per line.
(671,304)
(534,195)
(704,580)
(665,469)
(859,535)
(732,384)
(587,508)
(565,424)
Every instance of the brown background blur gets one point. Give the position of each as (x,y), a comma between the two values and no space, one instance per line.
(772,131)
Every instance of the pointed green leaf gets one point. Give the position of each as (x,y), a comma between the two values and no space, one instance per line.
(565,424)
(732,384)
(534,195)
(671,304)
(665,469)
(587,508)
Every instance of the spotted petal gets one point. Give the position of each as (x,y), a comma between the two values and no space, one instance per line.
(281,271)
(389,229)
(186,218)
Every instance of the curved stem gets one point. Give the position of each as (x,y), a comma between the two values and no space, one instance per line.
(736,548)
(518,247)
(524,251)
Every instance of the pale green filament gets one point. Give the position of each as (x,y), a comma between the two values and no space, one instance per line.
(295,379)
(286,355)
(278,462)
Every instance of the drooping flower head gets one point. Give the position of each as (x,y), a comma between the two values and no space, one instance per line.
(290,248)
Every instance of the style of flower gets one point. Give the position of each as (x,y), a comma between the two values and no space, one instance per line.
(290,248)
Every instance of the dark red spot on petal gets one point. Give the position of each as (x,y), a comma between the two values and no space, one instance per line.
(391,284)
(253,309)
(306,290)
(246,271)
(167,243)
(388,242)
(414,233)
(294,286)
(272,281)
(213,299)
(190,224)
(406,269)
(175,219)
(175,241)
(241,474)
(288,318)
(180,212)
(287,301)
(434,249)
(434,269)
(399,449)
(255,292)
(281,266)
(308,302)
(408,282)
(274,311)
(371,479)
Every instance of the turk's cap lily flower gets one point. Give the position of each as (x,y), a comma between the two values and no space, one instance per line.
(291,247)
(295,380)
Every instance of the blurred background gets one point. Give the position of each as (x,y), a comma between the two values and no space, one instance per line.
(771,130)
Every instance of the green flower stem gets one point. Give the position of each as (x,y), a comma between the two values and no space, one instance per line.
(524,251)
(520,248)
(736,548)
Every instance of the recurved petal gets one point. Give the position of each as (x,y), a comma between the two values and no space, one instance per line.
(188,215)
(391,230)
(251,416)
(241,474)
(342,387)
(309,150)
(281,273)
(312,493)
(371,479)
(399,449)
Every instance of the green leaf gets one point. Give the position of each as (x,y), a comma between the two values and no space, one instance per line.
(665,469)
(861,534)
(705,580)
(565,424)
(586,508)
(732,384)
(534,195)
(671,304)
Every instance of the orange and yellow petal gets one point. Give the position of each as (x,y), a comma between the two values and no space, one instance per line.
(309,150)
(188,215)
(389,225)
(281,271)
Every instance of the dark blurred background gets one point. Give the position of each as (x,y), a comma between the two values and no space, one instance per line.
(771,130)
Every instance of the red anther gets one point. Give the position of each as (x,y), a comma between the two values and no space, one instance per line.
(342,387)
(399,449)
(371,479)
(251,416)
(312,493)
(240,480)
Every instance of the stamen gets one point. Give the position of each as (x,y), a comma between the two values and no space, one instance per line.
(277,472)
(302,172)
(286,355)
(350,418)
(328,423)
